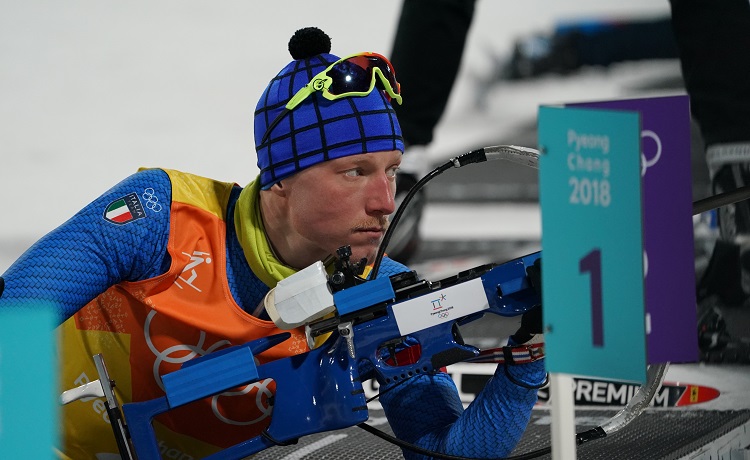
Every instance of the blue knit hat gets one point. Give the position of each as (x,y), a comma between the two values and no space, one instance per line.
(317,130)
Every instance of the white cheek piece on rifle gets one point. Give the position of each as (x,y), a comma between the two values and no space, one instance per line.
(300,298)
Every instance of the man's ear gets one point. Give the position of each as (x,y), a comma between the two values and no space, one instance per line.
(278,189)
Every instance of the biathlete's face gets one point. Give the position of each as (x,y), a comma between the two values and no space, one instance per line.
(344,201)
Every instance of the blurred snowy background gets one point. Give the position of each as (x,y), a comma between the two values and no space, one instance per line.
(92,90)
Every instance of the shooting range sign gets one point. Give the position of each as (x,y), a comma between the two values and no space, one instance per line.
(28,382)
(592,240)
(667,225)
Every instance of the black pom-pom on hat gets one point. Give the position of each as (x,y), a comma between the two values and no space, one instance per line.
(309,42)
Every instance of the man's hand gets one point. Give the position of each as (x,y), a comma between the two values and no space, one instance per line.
(535,276)
(531,324)
(531,321)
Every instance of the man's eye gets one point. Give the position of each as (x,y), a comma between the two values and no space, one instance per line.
(353,173)
(392,172)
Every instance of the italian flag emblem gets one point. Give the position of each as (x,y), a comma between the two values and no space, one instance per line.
(124,210)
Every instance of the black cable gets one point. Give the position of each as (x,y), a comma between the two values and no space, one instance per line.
(478,155)
(474,156)
(722,199)
(396,217)
(274,441)
(419,450)
(581,438)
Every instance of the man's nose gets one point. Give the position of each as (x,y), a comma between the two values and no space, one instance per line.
(381,193)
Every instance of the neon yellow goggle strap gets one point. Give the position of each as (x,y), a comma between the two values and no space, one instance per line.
(322,82)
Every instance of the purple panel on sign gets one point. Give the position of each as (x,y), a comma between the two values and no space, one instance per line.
(668,225)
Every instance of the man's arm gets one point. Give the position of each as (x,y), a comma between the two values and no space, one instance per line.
(427,411)
(120,236)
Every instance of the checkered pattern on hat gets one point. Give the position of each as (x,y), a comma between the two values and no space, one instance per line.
(318,130)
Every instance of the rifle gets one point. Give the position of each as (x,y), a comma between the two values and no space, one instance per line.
(321,390)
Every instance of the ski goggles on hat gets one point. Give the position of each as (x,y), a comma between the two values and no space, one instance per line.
(355,75)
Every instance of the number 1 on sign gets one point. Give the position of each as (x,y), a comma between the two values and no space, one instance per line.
(592,263)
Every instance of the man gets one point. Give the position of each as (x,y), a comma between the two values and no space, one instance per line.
(168,266)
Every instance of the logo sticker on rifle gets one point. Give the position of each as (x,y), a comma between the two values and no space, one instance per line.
(124,210)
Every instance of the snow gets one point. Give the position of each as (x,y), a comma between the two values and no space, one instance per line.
(92,90)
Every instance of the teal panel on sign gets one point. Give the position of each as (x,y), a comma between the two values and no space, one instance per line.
(592,241)
(28,384)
